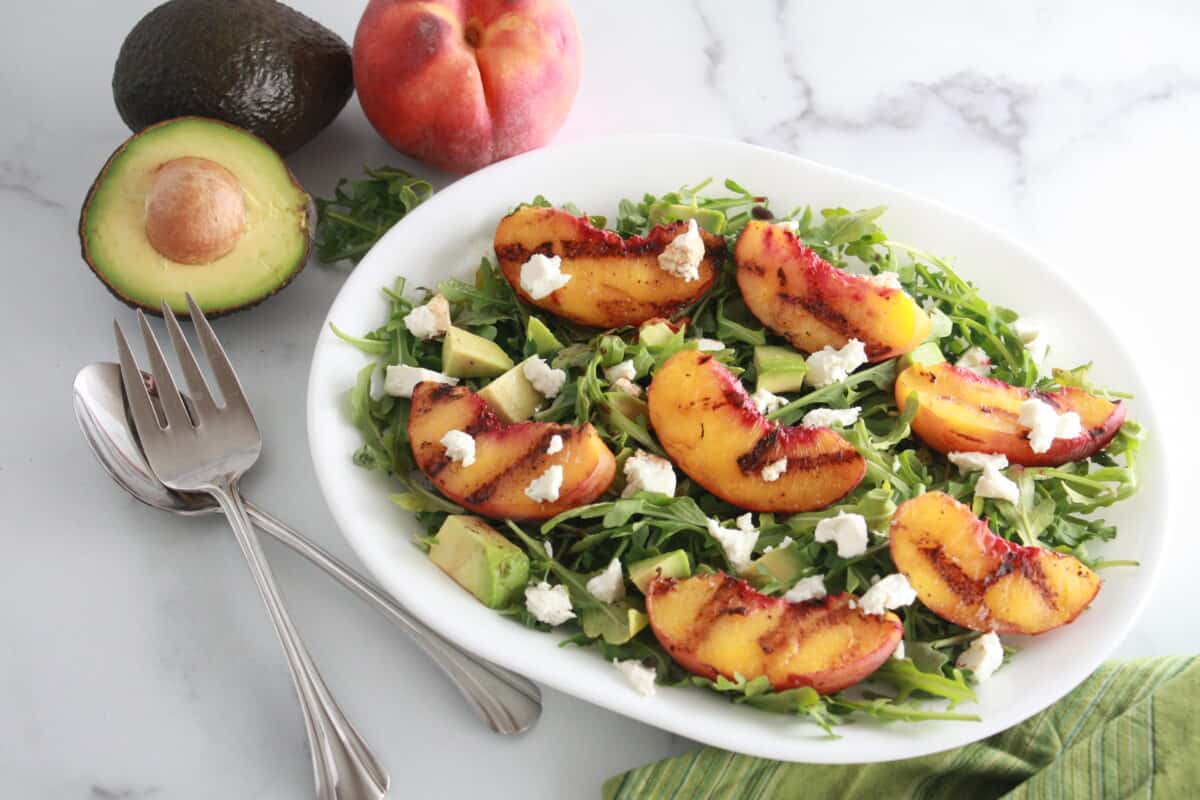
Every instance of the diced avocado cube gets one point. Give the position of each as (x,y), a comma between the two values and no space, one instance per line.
(655,334)
(710,219)
(512,396)
(674,564)
(465,355)
(783,564)
(544,342)
(480,560)
(925,354)
(779,369)
(617,623)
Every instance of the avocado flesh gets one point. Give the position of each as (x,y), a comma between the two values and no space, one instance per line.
(779,369)
(669,565)
(272,248)
(465,355)
(617,623)
(512,396)
(656,334)
(480,560)
(925,354)
(783,564)
(257,64)
(544,342)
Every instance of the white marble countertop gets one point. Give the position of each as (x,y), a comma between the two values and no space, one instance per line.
(137,660)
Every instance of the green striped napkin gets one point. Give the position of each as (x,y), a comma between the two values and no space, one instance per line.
(1130,730)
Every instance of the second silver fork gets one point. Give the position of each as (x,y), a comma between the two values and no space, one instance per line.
(208,451)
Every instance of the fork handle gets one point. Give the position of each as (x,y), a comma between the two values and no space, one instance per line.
(344,768)
(509,703)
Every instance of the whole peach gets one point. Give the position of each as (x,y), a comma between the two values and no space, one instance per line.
(462,83)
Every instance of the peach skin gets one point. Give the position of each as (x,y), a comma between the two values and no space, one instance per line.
(717,624)
(712,431)
(966,574)
(614,281)
(961,411)
(462,83)
(813,304)
(507,457)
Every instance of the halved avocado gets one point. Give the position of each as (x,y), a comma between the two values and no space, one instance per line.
(200,206)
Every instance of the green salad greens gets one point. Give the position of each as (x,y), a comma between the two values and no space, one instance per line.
(1057,506)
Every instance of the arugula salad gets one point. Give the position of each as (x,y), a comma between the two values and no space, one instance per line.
(600,570)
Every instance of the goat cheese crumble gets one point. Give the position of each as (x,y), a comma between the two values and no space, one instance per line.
(983,657)
(638,675)
(545,487)
(627,387)
(810,588)
(995,484)
(766,402)
(543,377)
(683,255)
(646,472)
(625,370)
(849,531)
(738,543)
(460,447)
(828,365)
(892,592)
(992,483)
(549,604)
(773,471)
(975,360)
(976,462)
(555,446)
(542,275)
(709,345)
(401,379)
(1045,424)
(430,320)
(609,585)
(828,417)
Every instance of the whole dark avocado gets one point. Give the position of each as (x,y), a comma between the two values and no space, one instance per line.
(257,64)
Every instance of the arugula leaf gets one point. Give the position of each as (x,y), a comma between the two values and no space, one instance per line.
(349,223)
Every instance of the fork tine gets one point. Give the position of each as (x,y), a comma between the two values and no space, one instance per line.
(145,421)
(202,399)
(227,379)
(168,393)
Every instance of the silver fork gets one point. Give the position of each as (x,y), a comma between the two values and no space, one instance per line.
(209,451)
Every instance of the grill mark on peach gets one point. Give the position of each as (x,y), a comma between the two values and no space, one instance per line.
(802,618)
(971,590)
(834,320)
(599,248)
(757,457)
(531,456)
(1031,570)
(726,600)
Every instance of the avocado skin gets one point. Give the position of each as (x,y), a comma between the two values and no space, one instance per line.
(210,313)
(257,64)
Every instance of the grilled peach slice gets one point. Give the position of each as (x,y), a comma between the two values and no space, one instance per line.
(968,575)
(712,431)
(714,624)
(614,281)
(813,304)
(507,457)
(961,411)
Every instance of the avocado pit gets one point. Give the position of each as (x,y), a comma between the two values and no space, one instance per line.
(195,211)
